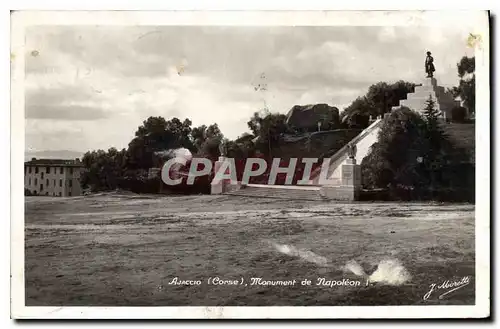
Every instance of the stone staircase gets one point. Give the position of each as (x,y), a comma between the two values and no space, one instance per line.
(287,192)
(444,101)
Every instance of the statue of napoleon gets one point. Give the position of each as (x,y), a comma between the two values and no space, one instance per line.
(429,65)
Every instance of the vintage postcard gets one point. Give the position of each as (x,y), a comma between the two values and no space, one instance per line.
(250,165)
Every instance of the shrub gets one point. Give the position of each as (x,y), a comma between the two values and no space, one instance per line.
(414,160)
(459,114)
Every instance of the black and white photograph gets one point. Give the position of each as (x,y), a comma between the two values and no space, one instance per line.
(195,165)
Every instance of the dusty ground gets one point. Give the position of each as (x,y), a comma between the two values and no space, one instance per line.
(125,249)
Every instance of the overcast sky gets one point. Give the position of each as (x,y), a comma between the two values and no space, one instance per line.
(91,87)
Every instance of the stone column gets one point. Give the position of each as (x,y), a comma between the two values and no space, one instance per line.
(351,179)
(350,185)
(218,188)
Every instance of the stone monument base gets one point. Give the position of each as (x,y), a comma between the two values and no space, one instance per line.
(224,185)
(350,187)
(341,193)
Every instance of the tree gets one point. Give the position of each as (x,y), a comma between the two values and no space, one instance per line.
(379,99)
(459,114)
(466,89)
(357,115)
(103,169)
(431,114)
(198,135)
(433,155)
(206,139)
(268,130)
(157,134)
(413,153)
(393,160)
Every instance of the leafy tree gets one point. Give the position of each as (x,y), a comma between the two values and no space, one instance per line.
(467,86)
(157,134)
(458,114)
(467,65)
(198,135)
(393,160)
(103,169)
(379,99)
(268,128)
(206,139)
(413,153)
(357,114)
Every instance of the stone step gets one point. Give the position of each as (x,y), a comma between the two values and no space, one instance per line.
(278,193)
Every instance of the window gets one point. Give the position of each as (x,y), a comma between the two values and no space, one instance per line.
(71,171)
(69,193)
(60,183)
(36,181)
(62,170)
(60,194)
(42,175)
(29,170)
(47,182)
(36,170)
(70,183)
(47,169)
(54,182)
(41,187)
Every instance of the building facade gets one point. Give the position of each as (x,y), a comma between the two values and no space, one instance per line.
(53,177)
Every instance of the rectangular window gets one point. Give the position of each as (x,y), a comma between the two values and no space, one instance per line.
(60,183)
(29,170)
(42,175)
(36,170)
(70,183)
(71,171)
(54,182)
(47,169)
(69,193)
(62,170)
(60,194)
(41,187)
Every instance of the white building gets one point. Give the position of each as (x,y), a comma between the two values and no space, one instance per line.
(54,177)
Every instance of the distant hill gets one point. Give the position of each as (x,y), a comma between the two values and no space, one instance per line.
(57,154)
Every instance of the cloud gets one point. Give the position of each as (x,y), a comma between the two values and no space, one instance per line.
(63,103)
(61,112)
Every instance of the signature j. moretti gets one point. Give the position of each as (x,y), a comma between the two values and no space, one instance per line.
(448,285)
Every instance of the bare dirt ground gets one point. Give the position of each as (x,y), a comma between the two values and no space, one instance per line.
(111,249)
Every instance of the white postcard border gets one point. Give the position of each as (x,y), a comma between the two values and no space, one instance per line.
(478,20)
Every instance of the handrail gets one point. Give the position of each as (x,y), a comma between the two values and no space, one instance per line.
(340,152)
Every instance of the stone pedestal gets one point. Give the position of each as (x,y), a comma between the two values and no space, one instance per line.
(350,183)
(224,185)
(444,101)
(218,188)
